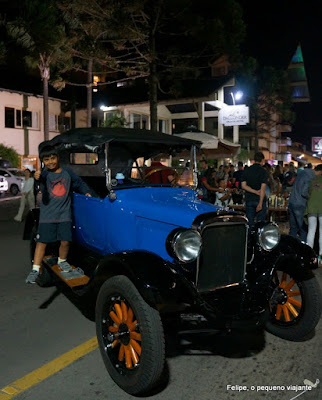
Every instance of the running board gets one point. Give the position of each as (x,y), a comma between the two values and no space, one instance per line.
(72,279)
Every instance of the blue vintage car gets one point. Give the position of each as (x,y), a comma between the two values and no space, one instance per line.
(147,250)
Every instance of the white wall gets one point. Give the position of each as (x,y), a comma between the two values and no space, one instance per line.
(14,137)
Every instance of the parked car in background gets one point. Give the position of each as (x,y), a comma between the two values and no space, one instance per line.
(3,185)
(15,178)
(147,254)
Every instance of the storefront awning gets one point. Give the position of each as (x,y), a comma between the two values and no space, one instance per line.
(212,147)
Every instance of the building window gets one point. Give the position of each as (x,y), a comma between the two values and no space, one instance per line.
(15,118)
(53,122)
(139,121)
(18,118)
(30,119)
(9,117)
(162,125)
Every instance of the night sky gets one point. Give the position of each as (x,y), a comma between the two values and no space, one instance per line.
(274,29)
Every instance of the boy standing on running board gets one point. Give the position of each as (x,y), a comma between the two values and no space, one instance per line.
(55,221)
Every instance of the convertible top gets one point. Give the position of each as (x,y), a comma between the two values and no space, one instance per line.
(88,137)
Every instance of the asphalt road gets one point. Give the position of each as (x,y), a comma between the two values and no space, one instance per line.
(39,325)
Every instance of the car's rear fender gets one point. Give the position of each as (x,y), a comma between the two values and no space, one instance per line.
(158,282)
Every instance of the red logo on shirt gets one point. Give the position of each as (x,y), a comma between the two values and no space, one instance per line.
(58,188)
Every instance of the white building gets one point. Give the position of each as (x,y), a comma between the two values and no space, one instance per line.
(22,123)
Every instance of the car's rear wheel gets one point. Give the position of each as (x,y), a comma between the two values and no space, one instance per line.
(294,307)
(14,190)
(130,336)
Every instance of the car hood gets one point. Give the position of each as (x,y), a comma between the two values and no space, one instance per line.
(175,206)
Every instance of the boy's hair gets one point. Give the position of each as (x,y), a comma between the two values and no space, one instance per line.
(48,151)
(318,167)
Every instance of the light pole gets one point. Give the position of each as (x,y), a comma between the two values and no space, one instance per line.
(237,96)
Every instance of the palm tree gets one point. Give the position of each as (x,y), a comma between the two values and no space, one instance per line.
(38,29)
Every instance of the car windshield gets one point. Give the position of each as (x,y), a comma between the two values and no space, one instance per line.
(17,172)
(161,169)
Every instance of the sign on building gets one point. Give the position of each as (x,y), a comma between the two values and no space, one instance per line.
(234,115)
(316,143)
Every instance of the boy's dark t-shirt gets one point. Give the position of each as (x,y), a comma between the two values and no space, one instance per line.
(254,177)
(57,191)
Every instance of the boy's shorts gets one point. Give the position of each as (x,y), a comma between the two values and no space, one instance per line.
(54,231)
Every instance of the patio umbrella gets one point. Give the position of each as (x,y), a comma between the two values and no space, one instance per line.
(212,146)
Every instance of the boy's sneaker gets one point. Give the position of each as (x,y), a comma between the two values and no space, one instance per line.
(65,266)
(33,275)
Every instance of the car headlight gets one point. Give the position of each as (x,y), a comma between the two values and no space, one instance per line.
(269,236)
(186,245)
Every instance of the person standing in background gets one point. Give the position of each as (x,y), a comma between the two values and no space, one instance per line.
(238,175)
(314,209)
(254,183)
(297,204)
(27,195)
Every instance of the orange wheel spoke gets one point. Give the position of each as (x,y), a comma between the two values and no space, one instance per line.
(118,311)
(295,302)
(132,326)
(136,346)
(115,318)
(294,293)
(121,353)
(129,318)
(290,285)
(278,311)
(292,309)
(113,328)
(128,359)
(115,343)
(134,356)
(286,313)
(124,311)
(283,280)
(135,336)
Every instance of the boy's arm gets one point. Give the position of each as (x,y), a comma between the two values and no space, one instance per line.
(78,184)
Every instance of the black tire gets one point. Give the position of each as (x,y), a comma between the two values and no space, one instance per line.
(120,297)
(14,190)
(297,323)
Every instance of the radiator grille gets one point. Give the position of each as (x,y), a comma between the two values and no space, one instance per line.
(222,260)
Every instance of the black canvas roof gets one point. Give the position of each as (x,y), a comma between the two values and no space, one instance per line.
(137,141)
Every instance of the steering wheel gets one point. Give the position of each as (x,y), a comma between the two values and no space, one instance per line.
(158,169)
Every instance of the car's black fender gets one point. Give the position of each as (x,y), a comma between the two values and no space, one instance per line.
(290,255)
(159,283)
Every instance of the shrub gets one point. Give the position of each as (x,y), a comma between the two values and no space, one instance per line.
(10,154)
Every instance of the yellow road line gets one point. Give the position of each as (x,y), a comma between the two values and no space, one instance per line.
(40,374)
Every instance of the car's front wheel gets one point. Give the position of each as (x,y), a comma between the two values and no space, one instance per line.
(130,336)
(294,307)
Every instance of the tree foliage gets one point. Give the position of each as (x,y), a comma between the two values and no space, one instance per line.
(268,96)
(161,40)
(10,154)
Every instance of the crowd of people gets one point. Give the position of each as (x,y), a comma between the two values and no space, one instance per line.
(257,186)
(253,186)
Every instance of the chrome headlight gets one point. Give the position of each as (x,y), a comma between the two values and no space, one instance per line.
(187,245)
(269,236)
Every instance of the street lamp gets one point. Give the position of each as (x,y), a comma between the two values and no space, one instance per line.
(237,96)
